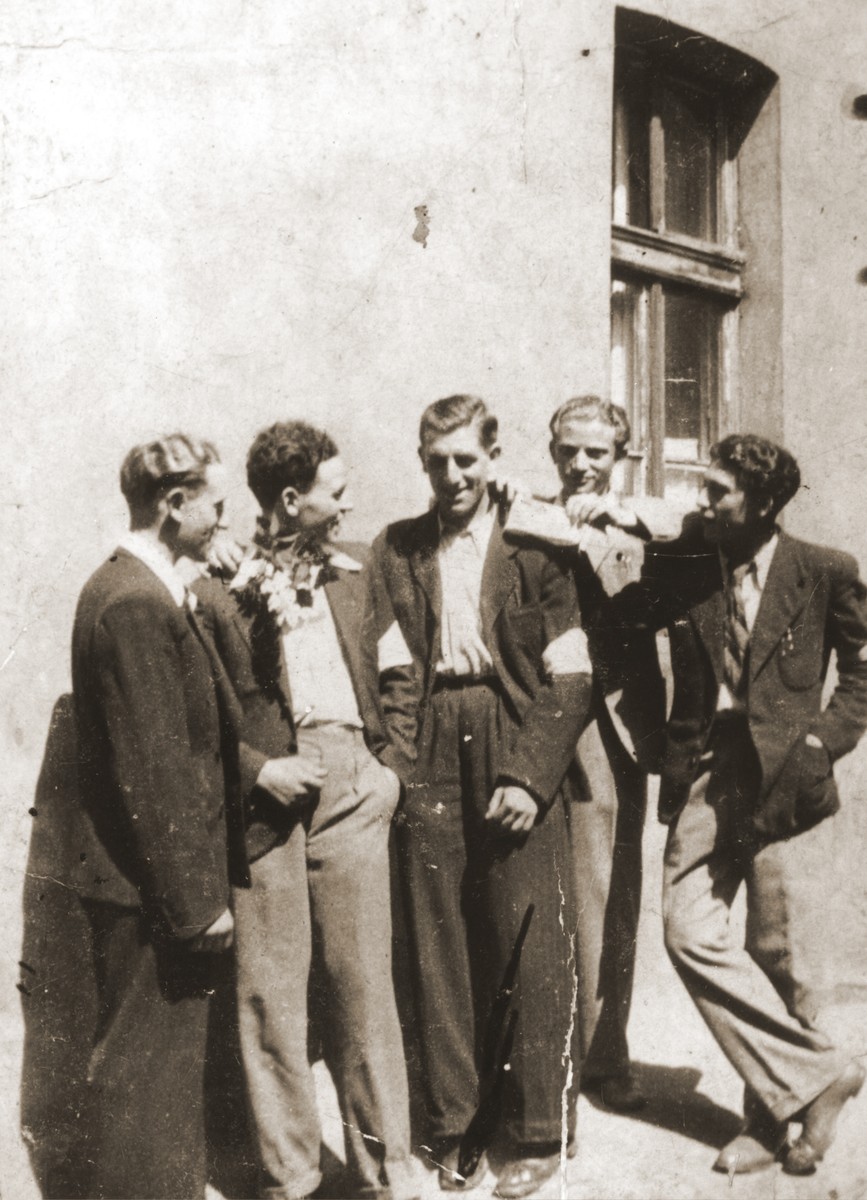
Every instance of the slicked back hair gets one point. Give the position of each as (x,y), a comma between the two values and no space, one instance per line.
(766,472)
(594,408)
(153,469)
(284,455)
(453,412)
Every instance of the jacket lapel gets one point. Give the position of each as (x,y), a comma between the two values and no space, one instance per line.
(499,577)
(263,635)
(708,610)
(343,600)
(783,597)
(423,561)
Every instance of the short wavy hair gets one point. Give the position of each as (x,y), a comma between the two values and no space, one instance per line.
(453,412)
(766,472)
(153,469)
(286,454)
(594,408)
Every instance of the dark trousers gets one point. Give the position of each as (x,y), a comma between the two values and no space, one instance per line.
(146,1071)
(467,889)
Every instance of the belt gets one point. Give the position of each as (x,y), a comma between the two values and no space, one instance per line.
(730,717)
(463,681)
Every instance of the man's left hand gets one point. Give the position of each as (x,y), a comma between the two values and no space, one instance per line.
(503,488)
(225,554)
(513,809)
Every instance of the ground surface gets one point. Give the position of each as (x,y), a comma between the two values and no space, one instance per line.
(665,1152)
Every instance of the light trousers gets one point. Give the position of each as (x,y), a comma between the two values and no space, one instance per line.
(606,822)
(754,997)
(326,888)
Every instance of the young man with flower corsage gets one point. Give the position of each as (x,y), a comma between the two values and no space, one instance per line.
(289,629)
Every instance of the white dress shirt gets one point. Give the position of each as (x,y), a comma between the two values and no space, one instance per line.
(750,584)
(461,561)
(319,680)
(159,560)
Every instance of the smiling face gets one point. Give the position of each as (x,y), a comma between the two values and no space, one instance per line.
(729,516)
(459,468)
(316,514)
(584,454)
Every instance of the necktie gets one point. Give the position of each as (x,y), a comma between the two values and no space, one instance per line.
(737,634)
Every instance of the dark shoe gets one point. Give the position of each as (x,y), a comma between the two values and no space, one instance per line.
(523,1176)
(820,1122)
(450,1177)
(754,1148)
(620,1093)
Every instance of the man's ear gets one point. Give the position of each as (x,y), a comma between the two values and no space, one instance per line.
(552,450)
(174,503)
(494,451)
(289,501)
(762,510)
(421,459)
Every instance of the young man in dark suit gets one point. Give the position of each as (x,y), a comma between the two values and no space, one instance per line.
(289,629)
(753,616)
(493,630)
(158,825)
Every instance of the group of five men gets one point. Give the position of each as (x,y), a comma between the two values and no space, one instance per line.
(245,746)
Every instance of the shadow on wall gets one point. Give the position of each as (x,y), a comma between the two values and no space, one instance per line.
(58,986)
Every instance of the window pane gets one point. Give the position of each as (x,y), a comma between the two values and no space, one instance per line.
(631,158)
(691,378)
(623,319)
(628,302)
(689,131)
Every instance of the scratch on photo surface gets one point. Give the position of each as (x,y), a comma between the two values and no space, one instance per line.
(567,1049)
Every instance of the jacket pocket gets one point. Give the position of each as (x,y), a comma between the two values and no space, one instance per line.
(802,796)
(800,661)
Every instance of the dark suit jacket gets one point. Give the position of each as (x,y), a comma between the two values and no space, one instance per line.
(527,601)
(629,691)
(250,650)
(153,742)
(813,602)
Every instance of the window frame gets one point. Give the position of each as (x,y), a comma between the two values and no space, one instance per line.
(656,259)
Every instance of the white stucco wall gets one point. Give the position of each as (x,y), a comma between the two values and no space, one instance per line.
(206,219)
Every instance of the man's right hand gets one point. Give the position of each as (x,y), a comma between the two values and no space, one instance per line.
(292,776)
(218,936)
(601,511)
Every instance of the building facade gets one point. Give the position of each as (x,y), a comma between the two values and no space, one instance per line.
(218,217)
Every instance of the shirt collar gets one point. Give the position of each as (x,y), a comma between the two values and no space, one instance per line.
(478,528)
(759,564)
(763,560)
(158,561)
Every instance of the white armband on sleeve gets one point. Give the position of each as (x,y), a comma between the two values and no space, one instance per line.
(567,655)
(392,650)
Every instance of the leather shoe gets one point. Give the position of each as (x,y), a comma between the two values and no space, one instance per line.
(820,1122)
(754,1148)
(523,1176)
(450,1178)
(620,1093)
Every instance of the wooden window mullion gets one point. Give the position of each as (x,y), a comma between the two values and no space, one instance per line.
(656,397)
(657,160)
